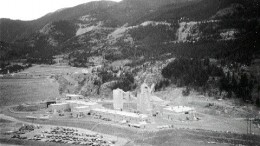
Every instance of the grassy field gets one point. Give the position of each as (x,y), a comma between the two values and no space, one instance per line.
(17,91)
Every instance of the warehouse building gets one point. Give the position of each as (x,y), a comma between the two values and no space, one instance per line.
(74,97)
(178,113)
(77,103)
(118,116)
(59,107)
(76,107)
(81,111)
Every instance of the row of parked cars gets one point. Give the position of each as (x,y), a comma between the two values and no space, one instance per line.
(24,129)
(72,136)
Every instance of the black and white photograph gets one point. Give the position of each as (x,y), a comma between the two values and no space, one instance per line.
(129,73)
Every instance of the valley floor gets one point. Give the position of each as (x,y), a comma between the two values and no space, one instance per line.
(221,121)
(179,135)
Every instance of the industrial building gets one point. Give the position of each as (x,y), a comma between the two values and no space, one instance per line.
(144,100)
(81,111)
(132,110)
(118,116)
(178,113)
(59,107)
(118,102)
(74,97)
(77,108)
(119,98)
(77,103)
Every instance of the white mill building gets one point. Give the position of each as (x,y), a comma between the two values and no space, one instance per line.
(144,100)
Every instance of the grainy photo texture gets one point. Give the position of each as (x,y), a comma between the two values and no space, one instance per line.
(129,73)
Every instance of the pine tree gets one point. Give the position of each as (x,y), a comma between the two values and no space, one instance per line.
(234,83)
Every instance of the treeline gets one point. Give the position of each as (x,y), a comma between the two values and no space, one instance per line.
(154,33)
(48,61)
(124,80)
(239,85)
(17,51)
(202,75)
(14,68)
(191,72)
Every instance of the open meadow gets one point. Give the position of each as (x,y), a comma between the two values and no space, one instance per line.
(15,91)
(18,91)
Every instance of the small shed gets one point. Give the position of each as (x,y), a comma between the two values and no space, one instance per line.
(50,102)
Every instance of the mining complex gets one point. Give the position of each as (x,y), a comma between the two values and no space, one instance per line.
(139,111)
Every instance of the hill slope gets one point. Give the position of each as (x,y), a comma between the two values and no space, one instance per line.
(136,28)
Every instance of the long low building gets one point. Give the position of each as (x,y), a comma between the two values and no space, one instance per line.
(83,109)
(77,108)
(80,111)
(59,106)
(74,97)
(118,116)
(78,103)
(181,113)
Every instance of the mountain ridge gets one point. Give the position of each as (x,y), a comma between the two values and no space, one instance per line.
(96,20)
(125,44)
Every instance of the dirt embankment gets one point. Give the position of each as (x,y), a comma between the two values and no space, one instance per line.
(84,84)
(101,82)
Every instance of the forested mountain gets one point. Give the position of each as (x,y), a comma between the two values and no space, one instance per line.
(133,28)
(68,26)
(216,42)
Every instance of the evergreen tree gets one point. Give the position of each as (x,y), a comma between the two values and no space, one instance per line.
(234,83)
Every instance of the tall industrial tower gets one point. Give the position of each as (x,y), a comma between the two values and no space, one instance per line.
(143,100)
(118,102)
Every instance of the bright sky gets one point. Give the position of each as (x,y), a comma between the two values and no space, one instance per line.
(33,9)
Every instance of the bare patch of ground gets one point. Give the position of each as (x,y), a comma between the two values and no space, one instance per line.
(214,114)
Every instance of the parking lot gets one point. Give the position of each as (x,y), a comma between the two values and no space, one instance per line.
(66,135)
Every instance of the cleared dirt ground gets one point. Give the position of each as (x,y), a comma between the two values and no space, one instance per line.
(214,114)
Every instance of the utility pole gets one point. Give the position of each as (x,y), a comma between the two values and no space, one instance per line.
(135,52)
(247,126)
(219,4)
(250,125)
